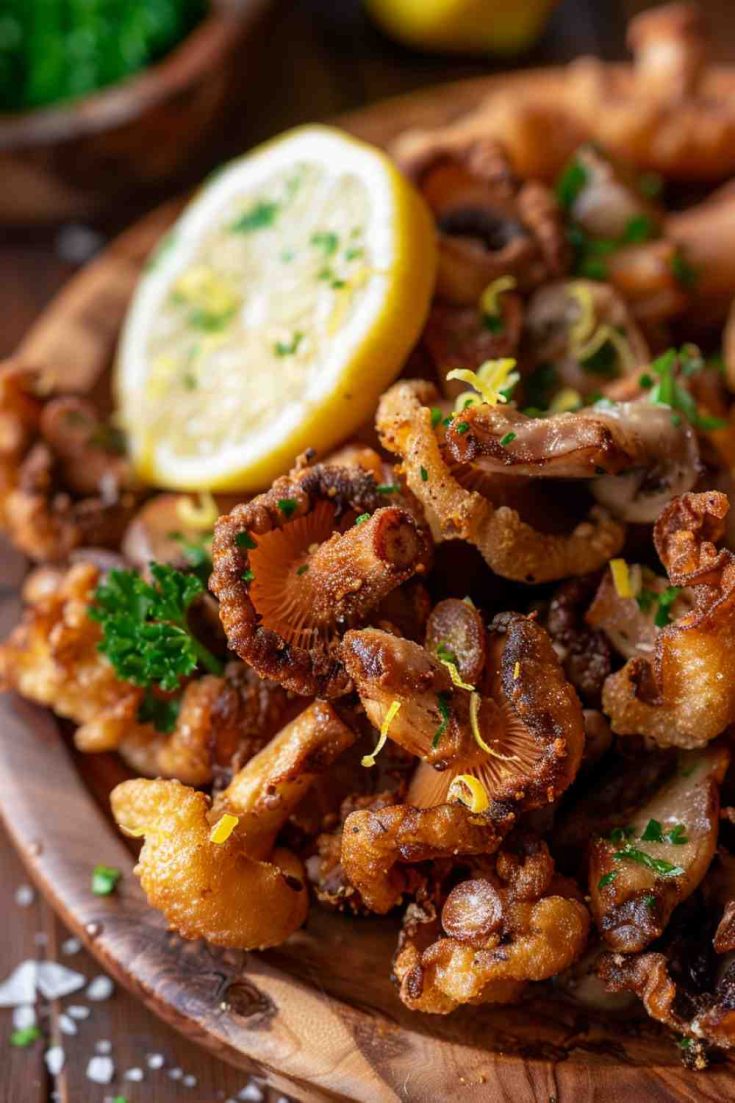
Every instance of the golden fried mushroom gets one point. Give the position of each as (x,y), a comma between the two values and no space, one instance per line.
(491,224)
(234,889)
(684,695)
(705,235)
(643,869)
(295,566)
(20,410)
(665,114)
(506,926)
(510,546)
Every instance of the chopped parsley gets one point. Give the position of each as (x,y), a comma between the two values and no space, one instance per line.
(621,834)
(570,183)
(445,711)
(362,518)
(302,569)
(436,416)
(682,271)
(25,1037)
(259,217)
(247,576)
(640,228)
(649,901)
(654,833)
(424,474)
(659,866)
(245,540)
(327,241)
(462,427)
(668,391)
(607,878)
(287,506)
(161,712)
(145,630)
(288,348)
(105,880)
(197,552)
(650,599)
(388,488)
(445,654)
(507,439)
(354,252)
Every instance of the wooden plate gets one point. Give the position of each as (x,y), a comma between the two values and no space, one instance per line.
(318,1017)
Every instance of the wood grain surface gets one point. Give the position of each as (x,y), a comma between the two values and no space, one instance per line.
(317,1017)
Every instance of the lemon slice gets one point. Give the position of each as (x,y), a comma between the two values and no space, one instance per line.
(280,306)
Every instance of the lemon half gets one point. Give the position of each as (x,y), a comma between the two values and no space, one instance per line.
(274,314)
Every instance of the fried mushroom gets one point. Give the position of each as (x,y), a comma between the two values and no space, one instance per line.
(510,546)
(641,871)
(234,889)
(684,696)
(511,924)
(316,553)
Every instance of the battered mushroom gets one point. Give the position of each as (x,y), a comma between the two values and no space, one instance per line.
(298,564)
(510,546)
(514,923)
(20,410)
(491,225)
(705,235)
(607,203)
(468,336)
(643,869)
(684,696)
(630,620)
(234,889)
(584,652)
(581,335)
(666,114)
(52,657)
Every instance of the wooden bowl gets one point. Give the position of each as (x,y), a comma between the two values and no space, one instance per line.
(87,156)
(318,1016)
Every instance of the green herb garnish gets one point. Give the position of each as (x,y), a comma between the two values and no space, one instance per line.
(665,601)
(539,386)
(607,878)
(649,901)
(145,631)
(659,866)
(25,1037)
(105,880)
(161,712)
(388,488)
(247,576)
(362,518)
(445,654)
(288,348)
(287,506)
(424,474)
(640,228)
(570,183)
(245,540)
(507,439)
(302,569)
(327,241)
(445,711)
(436,416)
(462,427)
(682,271)
(259,217)
(668,391)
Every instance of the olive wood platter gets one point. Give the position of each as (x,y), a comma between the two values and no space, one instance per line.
(317,1017)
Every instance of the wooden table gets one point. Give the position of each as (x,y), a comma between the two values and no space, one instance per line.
(319,57)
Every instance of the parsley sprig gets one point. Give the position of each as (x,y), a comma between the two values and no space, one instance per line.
(145,630)
(665,388)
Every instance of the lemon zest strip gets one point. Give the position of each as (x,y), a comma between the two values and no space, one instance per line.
(369,759)
(474,721)
(200,514)
(621,578)
(490,379)
(586,337)
(469,791)
(489,299)
(223,828)
(455,675)
(516,672)
(565,400)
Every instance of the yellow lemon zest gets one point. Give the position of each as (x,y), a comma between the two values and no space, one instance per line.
(455,675)
(369,759)
(621,578)
(489,300)
(586,336)
(223,828)
(469,791)
(565,400)
(490,380)
(200,514)
(516,671)
(467,600)
(474,721)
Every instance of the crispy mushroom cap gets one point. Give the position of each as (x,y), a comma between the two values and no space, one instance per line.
(461,336)
(490,223)
(20,411)
(525,712)
(684,695)
(292,568)
(238,892)
(659,858)
(584,652)
(510,546)
(515,923)
(635,455)
(705,235)
(666,114)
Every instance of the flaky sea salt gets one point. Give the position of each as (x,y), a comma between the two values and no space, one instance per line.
(55,981)
(175,1074)
(101,988)
(78,1011)
(20,986)
(252,1092)
(24,1016)
(189,1081)
(103,1046)
(67,1024)
(155,1060)
(70,946)
(101,1070)
(54,1058)
(134,1075)
(24,896)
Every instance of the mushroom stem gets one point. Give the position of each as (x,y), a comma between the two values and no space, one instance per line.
(269,787)
(353,571)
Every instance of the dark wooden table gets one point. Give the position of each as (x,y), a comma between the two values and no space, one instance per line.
(318,58)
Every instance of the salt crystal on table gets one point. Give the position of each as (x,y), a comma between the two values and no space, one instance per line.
(76,243)
(78,1011)
(20,986)
(253,1093)
(175,1074)
(54,1058)
(101,988)
(24,1016)
(24,896)
(103,1046)
(189,1081)
(155,1060)
(101,1070)
(70,946)
(135,1075)
(56,981)
(67,1024)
